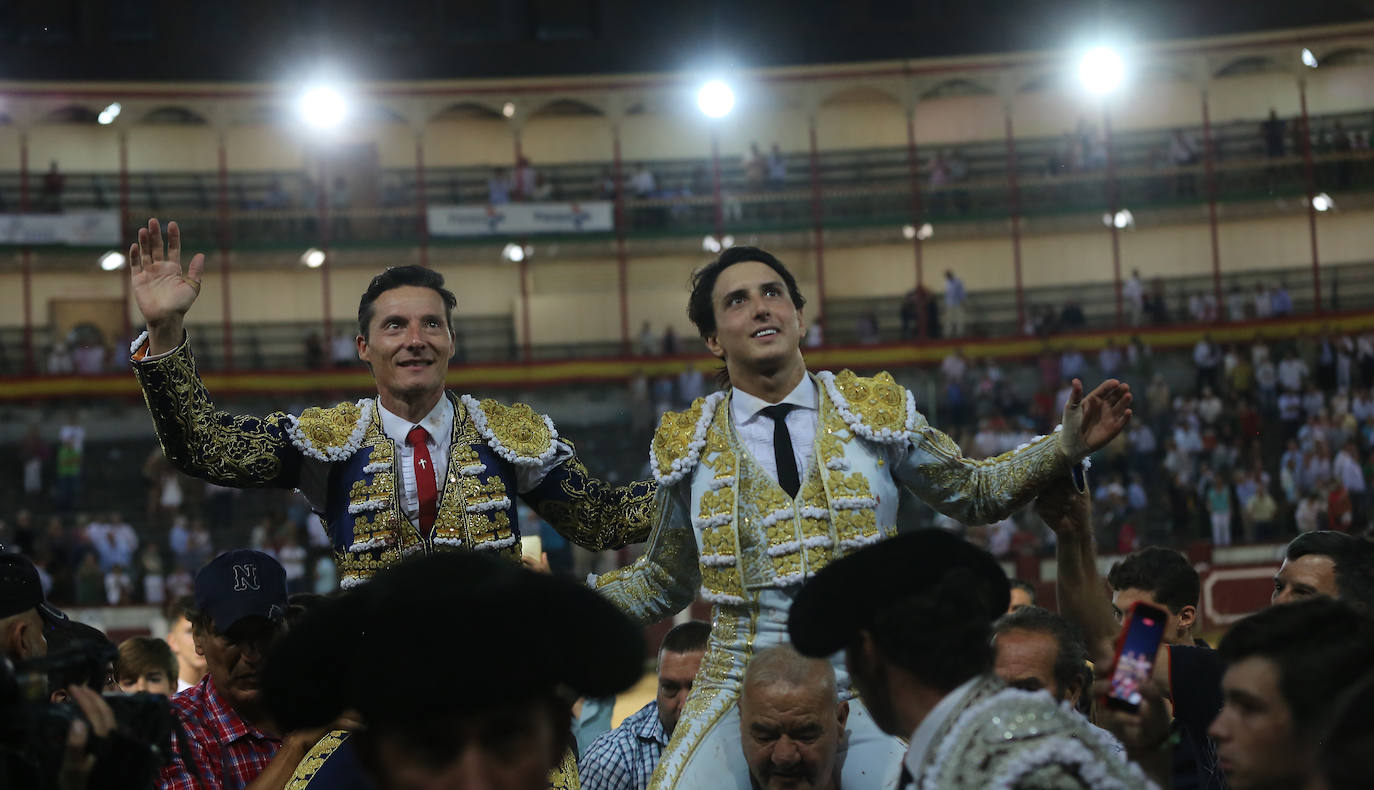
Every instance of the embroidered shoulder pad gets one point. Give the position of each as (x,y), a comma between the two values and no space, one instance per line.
(878,409)
(677,443)
(516,432)
(334,433)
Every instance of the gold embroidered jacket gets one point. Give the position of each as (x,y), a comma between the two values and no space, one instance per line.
(726,527)
(346,447)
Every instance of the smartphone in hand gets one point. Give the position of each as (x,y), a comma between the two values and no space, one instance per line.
(1136,649)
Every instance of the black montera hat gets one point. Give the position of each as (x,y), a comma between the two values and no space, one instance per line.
(455,632)
(21,589)
(845,596)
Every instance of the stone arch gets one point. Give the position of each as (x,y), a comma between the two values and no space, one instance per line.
(71,113)
(1249,64)
(958,86)
(467,110)
(1347,56)
(173,114)
(860,94)
(564,107)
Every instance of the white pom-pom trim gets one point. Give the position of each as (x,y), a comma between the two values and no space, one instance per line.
(859,542)
(839,464)
(681,466)
(809,511)
(493,545)
(379,466)
(722,598)
(884,435)
(779,549)
(818,542)
(775,517)
(332,454)
(412,550)
(368,506)
(491,504)
(473,470)
(479,420)
(718,520)
(854,503)
(138,342)
(717,560)
(718,483)
(368,545)
(791,579)
(350,581)
(448,541)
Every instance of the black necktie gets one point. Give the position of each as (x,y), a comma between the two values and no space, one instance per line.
(782,448)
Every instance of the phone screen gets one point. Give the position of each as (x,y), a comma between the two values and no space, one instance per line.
(1135,655)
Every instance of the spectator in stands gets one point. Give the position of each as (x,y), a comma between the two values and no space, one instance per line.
(340,201)
(147,665)
(1292,372)
(1071,317)
(777,168)
(314,351)
(226,730)
(53,182)
(1133,294)
(1273,133)
(642,183)
(866,328)
(1183,153)
(791,723)
(1023,594)
(59,362)
(151,574)
(1287,667)
(190,668)
(343,351)
(1264,302)
(1207,364)
(1282,302)
(624,758)
(608,189)
(119,586)
(498,187)
(1036,649)
(1071,363)
(918,680)
(956,300)
(755,168)
(276,197)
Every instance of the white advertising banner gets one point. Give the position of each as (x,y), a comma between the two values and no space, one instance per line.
(73,229)
(520,218)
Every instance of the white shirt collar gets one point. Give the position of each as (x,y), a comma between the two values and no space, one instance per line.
(745,407)
(922,739)
(439,422)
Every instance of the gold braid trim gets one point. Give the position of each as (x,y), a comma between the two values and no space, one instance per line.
(227,449)
(597,515)
(565,777)
(314,759)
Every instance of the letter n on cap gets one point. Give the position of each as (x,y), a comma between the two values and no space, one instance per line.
(246,577)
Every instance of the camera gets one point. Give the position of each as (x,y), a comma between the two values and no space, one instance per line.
(33,730)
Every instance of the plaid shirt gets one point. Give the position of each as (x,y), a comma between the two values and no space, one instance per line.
(624,758)
(228,752)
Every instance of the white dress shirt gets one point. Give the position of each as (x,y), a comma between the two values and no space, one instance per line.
(755,429)
(439,423)
(922,739)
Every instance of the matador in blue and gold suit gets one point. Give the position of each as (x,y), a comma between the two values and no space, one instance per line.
(344,463)
(728,532)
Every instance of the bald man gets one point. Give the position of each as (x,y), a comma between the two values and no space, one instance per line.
(790,721)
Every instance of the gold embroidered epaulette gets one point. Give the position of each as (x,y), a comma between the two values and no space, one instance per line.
(677,443)
(515,432)
(332,434)
(878,408)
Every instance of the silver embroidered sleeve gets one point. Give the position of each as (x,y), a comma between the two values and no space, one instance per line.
(977,492)
(664,580)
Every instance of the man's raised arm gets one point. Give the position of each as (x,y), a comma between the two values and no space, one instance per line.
(163,291)
(1082,592)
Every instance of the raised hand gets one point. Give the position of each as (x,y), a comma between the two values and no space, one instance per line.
(1090,422)
(1063,508)
(163,291)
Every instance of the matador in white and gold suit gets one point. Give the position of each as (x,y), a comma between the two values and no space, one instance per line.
(726,529)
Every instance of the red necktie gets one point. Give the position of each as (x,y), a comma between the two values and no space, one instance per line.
(424,477)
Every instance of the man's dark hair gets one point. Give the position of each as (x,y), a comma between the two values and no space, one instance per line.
(699,307)
(942,636)
(396,277)
(1319,645)
(1018,584)
(1164,573)
(1353,558)
(177,608)
(685,638)
(1349,740)
(1072,656)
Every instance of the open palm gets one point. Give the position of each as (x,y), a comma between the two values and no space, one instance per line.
(163,291)
(1105,411)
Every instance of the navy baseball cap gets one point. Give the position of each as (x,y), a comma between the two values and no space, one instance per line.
(21,589)
(238,584)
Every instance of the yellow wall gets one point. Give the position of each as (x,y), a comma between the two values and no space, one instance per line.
(674,129)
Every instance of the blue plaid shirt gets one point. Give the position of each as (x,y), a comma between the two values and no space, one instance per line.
(624,758)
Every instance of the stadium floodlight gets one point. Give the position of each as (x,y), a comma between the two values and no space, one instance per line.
(1120,220)
(1308,59)
(513,253)
(925,232)
(1323,202)
(908,231)
(323,107)
(710,244)
(112,261)
(508,109)
(109,114)
(727,242)
(1101,70)
(314,258)
(716,99)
